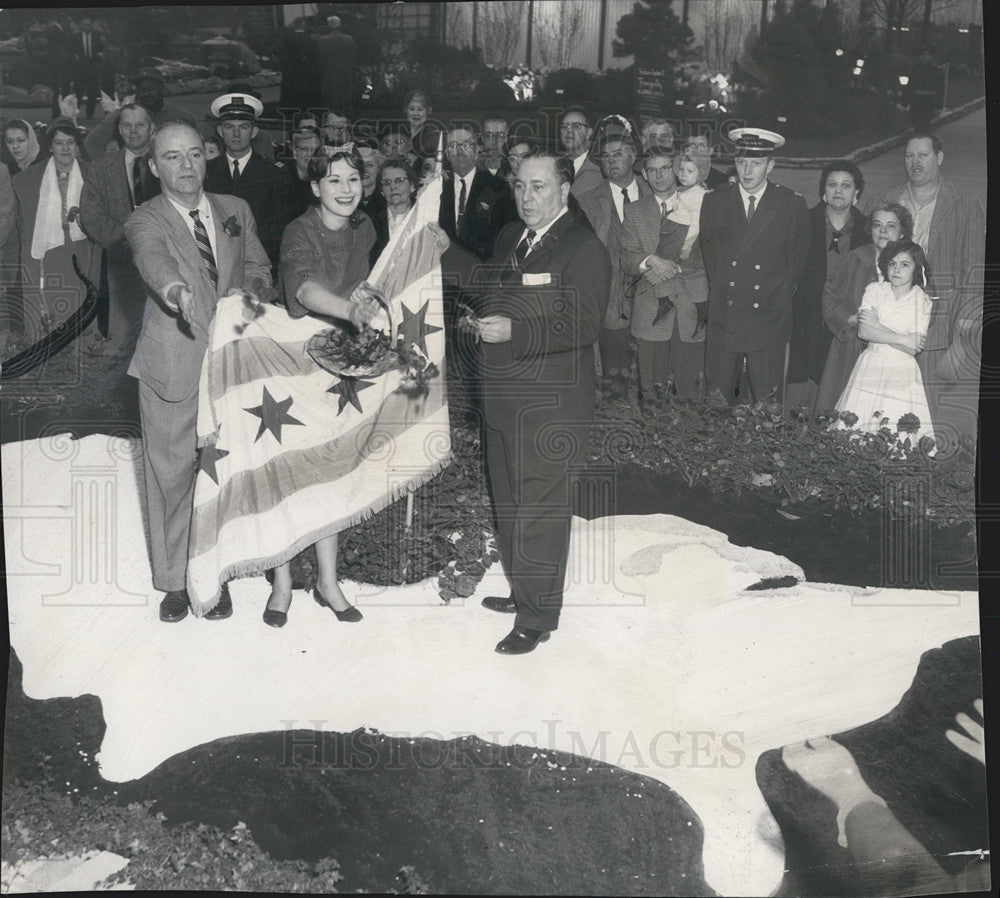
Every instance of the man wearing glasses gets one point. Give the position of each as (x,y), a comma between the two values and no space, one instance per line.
(575,132)
(494,137)
(605,208)
(336,129)
(474,204)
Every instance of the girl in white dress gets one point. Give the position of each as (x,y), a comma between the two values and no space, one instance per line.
(893,319)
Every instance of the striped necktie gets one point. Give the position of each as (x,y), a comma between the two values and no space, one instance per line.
(205,247)
(521,251)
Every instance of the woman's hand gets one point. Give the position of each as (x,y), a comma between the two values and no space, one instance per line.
(443,240)
(853,320)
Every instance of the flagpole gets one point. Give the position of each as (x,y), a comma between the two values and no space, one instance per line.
(438,168)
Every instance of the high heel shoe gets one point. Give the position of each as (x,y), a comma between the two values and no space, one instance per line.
(275,618)
(350,615)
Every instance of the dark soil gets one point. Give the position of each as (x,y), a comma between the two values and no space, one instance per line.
(831,546)
(469,816)
(937,792)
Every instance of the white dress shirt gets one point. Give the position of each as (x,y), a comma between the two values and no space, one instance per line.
(541,232)
(759,193)
(619,200)
(243,160)
(130,158)
(205,213)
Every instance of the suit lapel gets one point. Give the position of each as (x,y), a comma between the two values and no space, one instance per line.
(942,213)
(119,179)
(183,238)
(224,260)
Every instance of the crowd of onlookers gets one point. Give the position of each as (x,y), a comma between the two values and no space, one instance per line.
(688,312)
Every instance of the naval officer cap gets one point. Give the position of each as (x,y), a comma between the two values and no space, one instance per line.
(237,106)
(755,142)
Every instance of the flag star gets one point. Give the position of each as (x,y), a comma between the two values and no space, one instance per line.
(414,327)
(347,389)
(209,457)
(272,415)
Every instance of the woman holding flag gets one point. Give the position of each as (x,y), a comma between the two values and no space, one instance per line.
(324,259)
(297,443)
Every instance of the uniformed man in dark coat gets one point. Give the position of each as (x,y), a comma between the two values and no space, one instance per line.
(755,242)
(239,171)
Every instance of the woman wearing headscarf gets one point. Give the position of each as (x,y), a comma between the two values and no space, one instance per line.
(20,145)
(49,232)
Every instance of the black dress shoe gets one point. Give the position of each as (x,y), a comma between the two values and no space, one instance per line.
(503,605)
(174,606)
(273,617)
(350,615)
(224,607)
(521,640)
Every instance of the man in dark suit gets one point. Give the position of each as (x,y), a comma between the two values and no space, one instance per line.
(88,59)
(336,56)
(575,132)
(191,248)
(239,171)
(539,314)
(119,183)
(604,207)
(755,241)
(474,203)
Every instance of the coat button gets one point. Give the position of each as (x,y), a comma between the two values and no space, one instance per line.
(730,302)
(757,267)
(756,286)
(734,263)
(732,283)
(756,305)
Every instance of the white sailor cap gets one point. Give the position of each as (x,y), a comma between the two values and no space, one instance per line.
(237,106)
(755,141)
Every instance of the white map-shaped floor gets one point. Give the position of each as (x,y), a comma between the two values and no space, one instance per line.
(663,663)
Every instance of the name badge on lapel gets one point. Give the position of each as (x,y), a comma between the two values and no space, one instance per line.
(536,279)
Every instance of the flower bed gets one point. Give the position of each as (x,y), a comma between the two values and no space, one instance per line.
(793,464)
(740,448)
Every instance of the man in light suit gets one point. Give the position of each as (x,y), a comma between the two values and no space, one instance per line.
(755,242)
(604,207)
(119,182)
(539,302)
(575,131)
(670,296)
(191,248)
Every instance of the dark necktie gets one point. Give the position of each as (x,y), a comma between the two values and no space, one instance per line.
(834,244)
(751,207)
(521,251)
(625,198)
(205,247)
(461,204)
(138,187)
(236,170)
